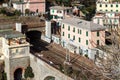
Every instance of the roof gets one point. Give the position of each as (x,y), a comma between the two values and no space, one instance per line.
(6,26)
(88,25)
(11,34)
(60,7)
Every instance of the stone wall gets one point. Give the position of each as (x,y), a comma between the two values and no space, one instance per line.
(43,70)
(12,64)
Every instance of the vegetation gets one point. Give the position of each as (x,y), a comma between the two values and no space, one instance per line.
(29,72)
(109,61)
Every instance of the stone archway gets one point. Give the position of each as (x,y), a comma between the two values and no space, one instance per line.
(18,74)
(49,78)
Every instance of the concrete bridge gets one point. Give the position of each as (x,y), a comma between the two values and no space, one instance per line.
(44,71)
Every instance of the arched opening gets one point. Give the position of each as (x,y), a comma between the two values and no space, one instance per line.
(49,78)
(33,36)
(18,74)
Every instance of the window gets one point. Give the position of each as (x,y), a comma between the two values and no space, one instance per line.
(86,42)
(116,10)
(56,17)
(68,35)
(106,5)
(68,28)
(111,10)
(86,33)
(98,33)
(79,39)
(73,29)
(111,5)
(106,10)
(63,26)
(98,21)
(52,11)
(116,5)
(98,42)
(100,5)
(78,31)
(16,50)
(73,37)
(63,34)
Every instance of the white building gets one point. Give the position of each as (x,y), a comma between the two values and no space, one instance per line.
(110,20)
(107,13)
(59,12)
(81,36)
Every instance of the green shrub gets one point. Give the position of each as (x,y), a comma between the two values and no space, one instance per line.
(29,72)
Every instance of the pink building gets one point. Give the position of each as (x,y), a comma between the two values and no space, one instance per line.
(37,4)
(32,5)
(81,36)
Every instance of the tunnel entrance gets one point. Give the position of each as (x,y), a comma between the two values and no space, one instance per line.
(18,74)
(33,36)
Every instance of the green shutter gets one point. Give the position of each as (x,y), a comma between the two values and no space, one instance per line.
(98,33)
(68,35)
(68,28)
(86,33)
(98,42)
(51,16)
(80,32)
(73,37)
(63,34)
(86,42)
(56,17)
(63,26)
(52,10)
(73,29)
(116,5)
(79,39)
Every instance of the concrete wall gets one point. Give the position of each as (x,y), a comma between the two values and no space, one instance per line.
(42,70)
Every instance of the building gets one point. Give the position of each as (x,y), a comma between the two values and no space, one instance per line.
(104,6)
(59,12)
(107,13)
(32,5)
(81,36)
(110,20)
(15,49)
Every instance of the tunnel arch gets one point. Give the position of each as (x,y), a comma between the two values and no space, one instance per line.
(18,74)
(33,35)
(49,78)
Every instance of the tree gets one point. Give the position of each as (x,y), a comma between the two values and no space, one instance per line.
(109,61)
(28,72)
(4,76)
(64,2)
(17,12)
(27,11)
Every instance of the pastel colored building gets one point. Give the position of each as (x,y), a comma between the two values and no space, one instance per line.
(81,36)
(59,12)
(32,5)
(15,49)
(104,6)
(110,20)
